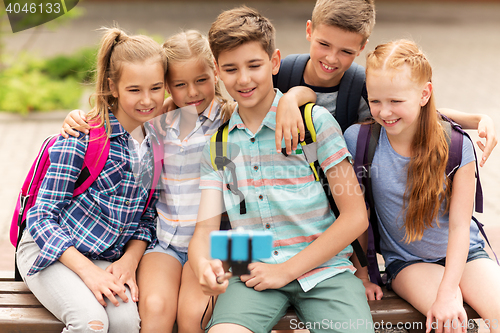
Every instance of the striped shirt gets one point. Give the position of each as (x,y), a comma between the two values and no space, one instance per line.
(280,192)
(100,221)
(178,204)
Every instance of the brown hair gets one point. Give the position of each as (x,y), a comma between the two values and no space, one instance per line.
(353,15)
(238,26)
(190,44)
(425,190)
(116,48)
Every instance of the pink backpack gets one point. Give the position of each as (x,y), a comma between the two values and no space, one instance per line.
(93,163)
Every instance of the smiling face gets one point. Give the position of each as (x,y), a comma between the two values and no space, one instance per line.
(332,52)
(395,100)
(191,82)
(140,92)
(247,73)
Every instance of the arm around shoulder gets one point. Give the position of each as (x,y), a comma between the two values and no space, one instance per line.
(75,121)
(288,119)
(484,125)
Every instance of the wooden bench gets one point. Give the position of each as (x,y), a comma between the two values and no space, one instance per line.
(21,312)
(386,314)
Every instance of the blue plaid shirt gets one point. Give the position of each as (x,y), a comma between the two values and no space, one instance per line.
(100,221)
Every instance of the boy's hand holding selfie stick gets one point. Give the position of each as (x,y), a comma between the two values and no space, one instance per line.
(238,248)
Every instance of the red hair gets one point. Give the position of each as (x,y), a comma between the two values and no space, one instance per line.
(427,186)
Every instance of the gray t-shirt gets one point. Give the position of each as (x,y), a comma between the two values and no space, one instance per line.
(327,98)
(388,183)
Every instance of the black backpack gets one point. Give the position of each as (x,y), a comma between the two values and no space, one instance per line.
(351,87)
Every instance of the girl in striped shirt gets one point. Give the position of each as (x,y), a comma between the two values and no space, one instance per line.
(169,289)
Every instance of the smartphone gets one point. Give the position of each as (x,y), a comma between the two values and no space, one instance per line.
(240,248)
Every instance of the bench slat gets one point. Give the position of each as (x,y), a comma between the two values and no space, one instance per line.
(14,286)
(394,310)
(15,320)
(19,301)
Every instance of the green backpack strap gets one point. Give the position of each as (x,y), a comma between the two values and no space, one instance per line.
(220,161)
(309,147)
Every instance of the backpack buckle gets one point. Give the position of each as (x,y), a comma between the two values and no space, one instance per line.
(221,162)
(24,201)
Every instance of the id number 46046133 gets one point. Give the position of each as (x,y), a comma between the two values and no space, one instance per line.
(34,8)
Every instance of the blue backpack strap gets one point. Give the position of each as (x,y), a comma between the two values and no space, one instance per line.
(365,151)
(455,158)
(350,92)
(291,72)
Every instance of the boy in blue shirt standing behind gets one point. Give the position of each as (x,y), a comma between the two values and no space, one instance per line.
(310,267)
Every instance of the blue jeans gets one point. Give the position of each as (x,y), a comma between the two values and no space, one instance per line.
(65,295)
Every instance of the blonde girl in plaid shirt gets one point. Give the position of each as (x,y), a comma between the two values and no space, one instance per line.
(79,255)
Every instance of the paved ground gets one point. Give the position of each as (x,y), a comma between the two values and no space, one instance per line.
(462,41)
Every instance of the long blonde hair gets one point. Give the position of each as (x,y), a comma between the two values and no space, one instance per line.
(191,44)
(427,186)
(117,47)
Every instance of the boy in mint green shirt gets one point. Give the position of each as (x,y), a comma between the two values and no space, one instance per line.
(309,267)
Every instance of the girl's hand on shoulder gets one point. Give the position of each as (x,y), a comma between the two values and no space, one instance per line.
(486,130)
(212,278)
(447,314)
(104,283)
(168,105)
(124,270)
(266,276)
(75,121)
(372,290)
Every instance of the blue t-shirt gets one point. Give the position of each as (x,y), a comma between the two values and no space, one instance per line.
(388,177)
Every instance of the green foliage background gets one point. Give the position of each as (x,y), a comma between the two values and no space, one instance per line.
(31,84)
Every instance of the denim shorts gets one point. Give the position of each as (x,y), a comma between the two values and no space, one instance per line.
(397,265)
(182,257)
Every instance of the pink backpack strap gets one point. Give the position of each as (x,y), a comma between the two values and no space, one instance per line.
(158,152)
(95,159)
